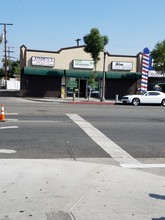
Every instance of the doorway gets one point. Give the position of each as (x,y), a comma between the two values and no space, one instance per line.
(82,88)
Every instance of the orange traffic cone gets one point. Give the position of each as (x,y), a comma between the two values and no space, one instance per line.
(2,113)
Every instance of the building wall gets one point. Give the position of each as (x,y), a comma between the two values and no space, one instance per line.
(41,86)
(120,87)
(54,85)
(64,57)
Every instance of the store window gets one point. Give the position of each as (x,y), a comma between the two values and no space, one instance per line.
(80,87)
(72,85)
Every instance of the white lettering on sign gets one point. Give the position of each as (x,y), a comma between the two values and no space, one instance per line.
(122,65)
(83,64)
(153,73)
(43,61)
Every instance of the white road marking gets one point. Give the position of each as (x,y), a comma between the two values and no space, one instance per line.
(11,119)
(9,127)
(142,166)
(116,152)
(7,151)
(11,113)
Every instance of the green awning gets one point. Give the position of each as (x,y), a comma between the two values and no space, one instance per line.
(43,71)
(80,73)
(123,75)
(99,74)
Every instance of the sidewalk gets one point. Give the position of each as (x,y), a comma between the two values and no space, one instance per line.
(70,100)
(72,190)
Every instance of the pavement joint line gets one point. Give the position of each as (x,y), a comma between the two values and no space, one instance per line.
(115,151)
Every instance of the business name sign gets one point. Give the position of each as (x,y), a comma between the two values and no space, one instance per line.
(153,73)
(122,65)
(83,64)
(43,61)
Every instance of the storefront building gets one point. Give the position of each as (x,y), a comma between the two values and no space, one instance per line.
(60,73)
(156,81)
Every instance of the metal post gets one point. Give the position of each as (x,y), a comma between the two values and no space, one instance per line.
(116,98)
(103,80)
(74,95)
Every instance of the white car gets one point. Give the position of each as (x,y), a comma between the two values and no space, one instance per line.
(149,97)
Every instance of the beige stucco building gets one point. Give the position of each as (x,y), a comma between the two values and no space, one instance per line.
(59,73)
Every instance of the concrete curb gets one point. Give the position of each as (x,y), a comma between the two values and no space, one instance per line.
(93,103)
(70,101)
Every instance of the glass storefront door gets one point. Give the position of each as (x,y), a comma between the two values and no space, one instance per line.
(80,87)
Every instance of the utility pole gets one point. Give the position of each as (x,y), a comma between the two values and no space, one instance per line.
(5,43)
(9,57)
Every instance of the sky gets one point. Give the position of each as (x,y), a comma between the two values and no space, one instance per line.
(131,25)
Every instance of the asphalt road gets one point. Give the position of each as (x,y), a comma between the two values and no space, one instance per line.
(56,135)
(44,130)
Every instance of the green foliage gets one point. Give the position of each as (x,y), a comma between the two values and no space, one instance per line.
(94,44)
(91,81)
(158,55)
(15,66)
(1,73)
(1,39)
(14,69)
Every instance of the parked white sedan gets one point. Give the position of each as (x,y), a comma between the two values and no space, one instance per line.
(149,97)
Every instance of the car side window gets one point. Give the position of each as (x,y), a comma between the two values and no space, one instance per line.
(153,93)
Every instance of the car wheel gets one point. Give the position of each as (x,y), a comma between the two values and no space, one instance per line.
(136,101)
(163,102)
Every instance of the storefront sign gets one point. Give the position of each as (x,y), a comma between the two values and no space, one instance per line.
(43,61)
(153,73)
(122,65)
(83,64)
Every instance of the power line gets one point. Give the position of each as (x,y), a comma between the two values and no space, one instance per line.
(9,51)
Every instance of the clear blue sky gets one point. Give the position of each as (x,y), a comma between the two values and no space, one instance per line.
(53,24)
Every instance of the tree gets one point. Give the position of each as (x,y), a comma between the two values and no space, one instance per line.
(94,44)
(158,55)
(14,69)
(1,72)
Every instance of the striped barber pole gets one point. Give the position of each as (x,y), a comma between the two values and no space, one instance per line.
(145,66)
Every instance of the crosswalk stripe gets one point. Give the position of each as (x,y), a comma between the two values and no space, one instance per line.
(116,152)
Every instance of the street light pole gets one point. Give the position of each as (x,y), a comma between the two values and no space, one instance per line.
(103,79)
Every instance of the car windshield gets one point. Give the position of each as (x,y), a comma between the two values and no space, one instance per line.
(143,93)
